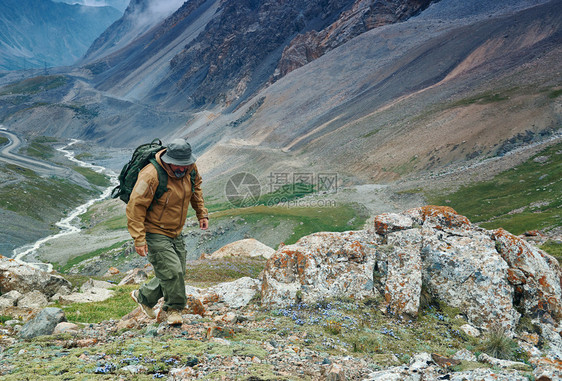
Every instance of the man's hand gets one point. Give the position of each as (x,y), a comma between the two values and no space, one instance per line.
(204,223)
(142,250)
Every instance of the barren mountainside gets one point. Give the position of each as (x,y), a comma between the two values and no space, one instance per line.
(236,49)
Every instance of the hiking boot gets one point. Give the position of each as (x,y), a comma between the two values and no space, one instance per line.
(174,318)
(144,308)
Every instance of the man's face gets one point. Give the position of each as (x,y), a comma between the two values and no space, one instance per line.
(179,170)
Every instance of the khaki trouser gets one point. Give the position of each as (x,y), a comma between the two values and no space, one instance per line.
(167,256)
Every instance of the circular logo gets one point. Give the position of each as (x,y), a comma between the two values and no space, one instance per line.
(243,189)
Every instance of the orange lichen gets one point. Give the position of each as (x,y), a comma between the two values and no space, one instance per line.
(447,214)
(194,306)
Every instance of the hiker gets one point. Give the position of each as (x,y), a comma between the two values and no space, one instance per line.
(156,226)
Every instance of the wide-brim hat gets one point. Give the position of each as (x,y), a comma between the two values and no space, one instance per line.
(178,153)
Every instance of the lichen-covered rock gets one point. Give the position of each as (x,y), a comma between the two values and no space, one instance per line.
(391,222)
(402,286)
(438,217)
(535,275)
(490,276)
(464,270)
(16,275)
(321,265)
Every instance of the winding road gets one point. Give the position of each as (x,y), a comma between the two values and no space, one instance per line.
(40,167)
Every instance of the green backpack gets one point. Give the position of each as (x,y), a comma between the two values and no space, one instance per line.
(144,154)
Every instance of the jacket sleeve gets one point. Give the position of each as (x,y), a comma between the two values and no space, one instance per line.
(139,202)
(197,201)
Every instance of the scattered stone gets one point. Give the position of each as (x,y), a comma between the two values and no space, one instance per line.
(220,332)
(91,295)
(34,300)
(531,338)
(135,276)
(335,373)
(470,330)
(134,369)
(182,374)
(503,364)
(443,361)
(86,342)
(243,248)
(10,299)
(420,361)
(95,284)
(320,266)
(42,324)
(111,272)
(465,355)
(194,307)
(66,327)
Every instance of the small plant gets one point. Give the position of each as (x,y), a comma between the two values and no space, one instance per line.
(499,345)
(333,326)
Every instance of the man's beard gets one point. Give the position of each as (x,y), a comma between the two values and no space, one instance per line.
(179,174)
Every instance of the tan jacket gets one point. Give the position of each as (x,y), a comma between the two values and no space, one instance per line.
(168,215)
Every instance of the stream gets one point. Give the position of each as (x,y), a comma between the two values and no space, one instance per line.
(67,225)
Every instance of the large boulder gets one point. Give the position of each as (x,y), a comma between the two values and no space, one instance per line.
(491,276)
(243,248)
(17,275)
(321,265)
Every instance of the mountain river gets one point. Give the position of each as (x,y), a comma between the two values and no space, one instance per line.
(67,225)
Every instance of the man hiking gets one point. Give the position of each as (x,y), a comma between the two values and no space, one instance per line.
(156,226)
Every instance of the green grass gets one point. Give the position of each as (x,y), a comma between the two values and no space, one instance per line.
(44,199)
(93,177)
(35,85)
(532,192)
(40,150)
(205,273)
(553,248)
(4,140)
(555,93)
(307,220)
(119,305)
(76,260)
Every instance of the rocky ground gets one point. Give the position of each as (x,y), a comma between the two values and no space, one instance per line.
(374,304)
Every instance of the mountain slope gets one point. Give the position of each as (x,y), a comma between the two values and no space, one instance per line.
(220,52)
(38,33)
(139,17)
(401,99)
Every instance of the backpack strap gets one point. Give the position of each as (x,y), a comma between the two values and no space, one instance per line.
(162,180)
(192,174)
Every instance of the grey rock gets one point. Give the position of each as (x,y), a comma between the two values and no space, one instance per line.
(33,299)
(16,275)
(237,293)
(135,276)
(42,324)
(10,299)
